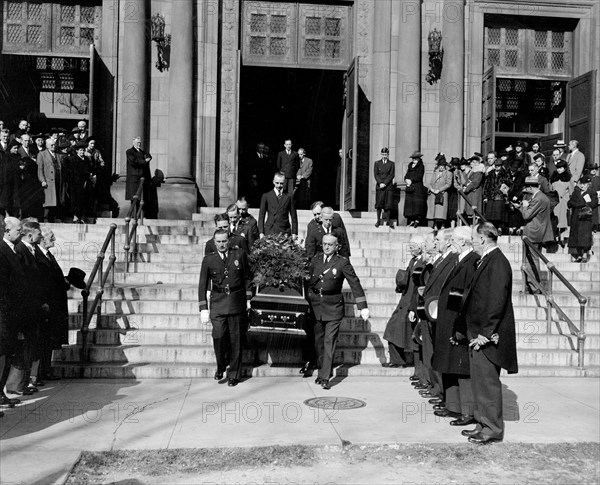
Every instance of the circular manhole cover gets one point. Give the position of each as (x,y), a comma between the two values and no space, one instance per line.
(337,403)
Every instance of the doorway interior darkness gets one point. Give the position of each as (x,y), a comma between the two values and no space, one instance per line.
(305,105)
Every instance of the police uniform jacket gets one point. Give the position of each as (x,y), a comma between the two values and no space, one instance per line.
(229,282)
(325,287)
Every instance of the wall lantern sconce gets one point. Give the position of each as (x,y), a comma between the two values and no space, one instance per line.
(163,42)
(436,56)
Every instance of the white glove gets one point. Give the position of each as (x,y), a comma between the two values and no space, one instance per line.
(204,316)
(248,305)
(411,316)
(364,313)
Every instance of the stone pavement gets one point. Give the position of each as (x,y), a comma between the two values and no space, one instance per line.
(41,438)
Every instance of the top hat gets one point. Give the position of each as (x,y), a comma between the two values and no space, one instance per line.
(401,280)
(76,277)
(416,154)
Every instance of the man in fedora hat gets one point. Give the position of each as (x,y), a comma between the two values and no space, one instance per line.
(538,227)
(385,171)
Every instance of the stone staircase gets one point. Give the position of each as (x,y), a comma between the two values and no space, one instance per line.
(149,325)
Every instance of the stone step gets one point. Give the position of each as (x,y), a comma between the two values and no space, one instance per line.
(292,354)
(192,371)
(531,339)
(190,293)
(375,324)
(384,310)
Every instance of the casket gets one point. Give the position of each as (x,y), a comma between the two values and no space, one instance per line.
(280,309)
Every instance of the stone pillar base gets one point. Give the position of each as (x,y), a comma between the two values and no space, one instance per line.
(177,198)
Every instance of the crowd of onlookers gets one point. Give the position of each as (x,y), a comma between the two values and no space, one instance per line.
(60,175)
(498,186)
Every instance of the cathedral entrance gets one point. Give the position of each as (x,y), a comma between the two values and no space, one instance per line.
(304,105)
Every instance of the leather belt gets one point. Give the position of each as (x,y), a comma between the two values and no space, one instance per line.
(227,290)
(325,293)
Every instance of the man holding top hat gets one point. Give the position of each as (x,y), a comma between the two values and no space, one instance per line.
(384,171)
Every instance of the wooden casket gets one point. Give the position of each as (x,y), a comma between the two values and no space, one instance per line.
(280,309)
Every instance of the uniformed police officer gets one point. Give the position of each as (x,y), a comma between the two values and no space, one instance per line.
(327,273)
(226,273)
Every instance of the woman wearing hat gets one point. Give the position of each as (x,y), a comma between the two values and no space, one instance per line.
(561,183)
(495,189)
(437,202)
(415,205)
(582,203)
(81,181)
(9,167)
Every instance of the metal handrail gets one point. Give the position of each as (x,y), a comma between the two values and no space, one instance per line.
(478,215)
(553,271)
(85,293)
(136,211)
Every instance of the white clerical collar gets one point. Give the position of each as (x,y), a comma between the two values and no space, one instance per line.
(464,254)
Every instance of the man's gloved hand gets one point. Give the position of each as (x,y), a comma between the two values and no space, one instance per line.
(204,316)
(364,313)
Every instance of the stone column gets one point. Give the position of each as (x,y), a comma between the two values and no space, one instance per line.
(380,121)
(133,88)
(408,112)
(181,99)
(452,90)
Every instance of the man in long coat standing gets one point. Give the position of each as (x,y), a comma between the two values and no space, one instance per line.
(488,310)
(385,171)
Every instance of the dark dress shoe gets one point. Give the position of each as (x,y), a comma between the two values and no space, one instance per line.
(32,388)
(444,413)
(391,224)
(463,421)
(36,382)
(318,380)
(413,378)
(438,407)
(480,439)
(377,224)
(437,400)
(26,392)
(306,368)
(233,382)
(470,432)
(325,384)
(218,375)
(391,365)
(427,395)
(8,402)
(421,387)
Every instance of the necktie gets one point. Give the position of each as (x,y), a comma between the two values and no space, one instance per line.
(278,195)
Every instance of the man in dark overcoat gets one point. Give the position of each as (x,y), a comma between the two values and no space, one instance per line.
(226,274)
(451,356)
(488,309)
(438,269)
(314,238)
(384,171)
(278,208)
(288,163)
(138,166)
(326,276)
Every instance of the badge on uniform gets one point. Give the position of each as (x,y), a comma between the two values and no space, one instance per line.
(236,262)
(334,271)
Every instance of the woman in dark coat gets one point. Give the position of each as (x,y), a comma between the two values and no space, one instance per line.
(495,187)
(9,166)
(399,329)
(81,180)
(29,191)
(582,203)
(384,171)
(415,204)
